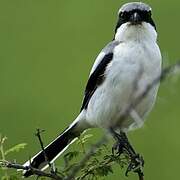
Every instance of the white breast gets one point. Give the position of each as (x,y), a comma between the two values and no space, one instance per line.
(115,94)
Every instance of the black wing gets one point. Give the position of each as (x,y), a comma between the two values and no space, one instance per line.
(96,79)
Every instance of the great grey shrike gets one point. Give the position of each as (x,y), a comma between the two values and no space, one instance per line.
(111,84)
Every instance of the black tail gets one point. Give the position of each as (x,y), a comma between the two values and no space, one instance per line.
(52,151)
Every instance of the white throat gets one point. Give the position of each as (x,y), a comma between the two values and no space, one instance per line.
(143,32)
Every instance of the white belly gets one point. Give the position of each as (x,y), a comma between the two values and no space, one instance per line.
(131,66)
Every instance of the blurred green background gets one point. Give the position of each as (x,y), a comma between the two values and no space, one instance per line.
(47,48)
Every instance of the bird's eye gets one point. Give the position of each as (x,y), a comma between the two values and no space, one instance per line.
(148,13)
(124,15)
(121,14)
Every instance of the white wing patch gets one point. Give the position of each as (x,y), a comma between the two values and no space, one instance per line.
(97,61)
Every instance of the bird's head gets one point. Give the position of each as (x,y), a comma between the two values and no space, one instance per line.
(135,18)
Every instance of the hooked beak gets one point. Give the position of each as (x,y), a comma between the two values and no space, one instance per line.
(135,18)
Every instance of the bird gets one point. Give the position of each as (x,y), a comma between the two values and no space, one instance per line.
(122,70)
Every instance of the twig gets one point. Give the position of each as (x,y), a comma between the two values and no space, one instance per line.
(52,166)
(109,162)
(140,174)
(38,134)
(35,171)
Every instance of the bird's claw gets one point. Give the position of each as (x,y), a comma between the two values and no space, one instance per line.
(117,149)
(136,164)
(122,146)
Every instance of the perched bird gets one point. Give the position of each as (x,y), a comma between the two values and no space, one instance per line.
(122,70)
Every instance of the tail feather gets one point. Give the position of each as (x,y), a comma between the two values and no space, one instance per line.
(53,150)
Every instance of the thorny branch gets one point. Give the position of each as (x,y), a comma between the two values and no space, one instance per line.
(35,171)
(38,134)
(89,154)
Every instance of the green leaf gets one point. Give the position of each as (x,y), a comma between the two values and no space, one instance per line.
(104,170)
(70,155)
(87,136)
(15,148)
(14,177)
(10,177)
(84,138)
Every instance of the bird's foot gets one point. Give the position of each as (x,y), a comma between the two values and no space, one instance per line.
(122,146)
(136,165)
(136,162)
(117,149)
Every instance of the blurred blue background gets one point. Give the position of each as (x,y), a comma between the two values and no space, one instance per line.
(47,49)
